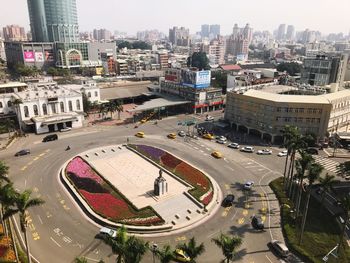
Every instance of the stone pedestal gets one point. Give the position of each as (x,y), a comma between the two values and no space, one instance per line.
(160,185)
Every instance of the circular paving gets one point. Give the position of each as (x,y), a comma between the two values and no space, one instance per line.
(145,188)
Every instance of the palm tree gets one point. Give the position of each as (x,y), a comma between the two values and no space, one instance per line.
(9,125)
(7,199)
(345,205)
(17,102)
(302,165)
(119,108)
(314,173)
(289,135)
(326,183)
(165,254)
(22,203)
(192,250)
(4,169)
(228,245)
(80,260)
(135,249)
(344,168)
(118,243)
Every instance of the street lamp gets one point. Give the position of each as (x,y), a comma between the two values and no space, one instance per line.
(154,248)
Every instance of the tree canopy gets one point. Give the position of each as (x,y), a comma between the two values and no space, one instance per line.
(198,60)
(291,68)
(134,45)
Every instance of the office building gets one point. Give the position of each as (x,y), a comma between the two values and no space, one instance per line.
(205,31)
(162,58)
(108,63)
(214,31)
(290,33)
(14,33)
(53,21)
(179,36)
(2,50)
(281,32)
(101,34)
(237,44)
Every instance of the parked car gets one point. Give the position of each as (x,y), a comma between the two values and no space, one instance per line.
(221,140)
(51,137)
(248,185)
(209,118)
(283,153)
(233,145)
(217,154)
(140,134)
(247,149)
(181,256)
(280,248)
(172,136)
(208,136)
(65,129)
(228,200)
(311,150)
(181,133)
(257,222)
(105,231)
(22,152)
(264,152)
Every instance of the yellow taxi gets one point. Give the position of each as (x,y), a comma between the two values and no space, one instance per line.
(217,154)
(140,134)
(172,136)
(181,256)
(143,120)
(208,136)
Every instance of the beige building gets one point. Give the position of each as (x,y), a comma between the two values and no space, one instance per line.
(265,112)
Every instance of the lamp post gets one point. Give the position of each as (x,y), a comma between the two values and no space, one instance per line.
(154,248)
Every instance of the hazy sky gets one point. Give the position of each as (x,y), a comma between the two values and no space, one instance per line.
(131,16)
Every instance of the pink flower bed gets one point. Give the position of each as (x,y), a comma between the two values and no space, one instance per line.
(81,169)
(207,199)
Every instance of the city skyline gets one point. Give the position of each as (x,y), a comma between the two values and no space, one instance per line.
(260,18)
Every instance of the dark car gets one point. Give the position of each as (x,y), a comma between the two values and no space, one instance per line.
(51,137)
(257,222)
(22,152)
(228,201)
(312,151)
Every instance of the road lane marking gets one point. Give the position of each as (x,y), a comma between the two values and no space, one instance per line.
(201,151)
(182,238)
(53,240)
(42,154)
(36,158)
(226,160)
(234,215)
(212,234)
(48,150)
(41,221)
(30,163)
(208,149)
(241,221)
(24,168)
(268,258)
(225,213)
(245,212)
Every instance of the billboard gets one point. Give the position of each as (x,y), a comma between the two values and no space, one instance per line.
(39,57)
(196,79)
(28,56)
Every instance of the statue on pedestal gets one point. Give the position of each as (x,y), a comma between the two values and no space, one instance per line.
(160,185)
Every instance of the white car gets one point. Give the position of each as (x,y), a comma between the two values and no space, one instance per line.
(221,141)
(248,185)
(209,118)
(182,133)
(105,231)
(233,145)
(283,153)
(264,152)
(65,129)
(247,149)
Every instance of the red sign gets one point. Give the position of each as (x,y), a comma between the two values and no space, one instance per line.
(200,106)
(172,78)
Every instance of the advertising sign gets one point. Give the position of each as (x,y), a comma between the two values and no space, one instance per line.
(48,56)
(203,79)
(39,57)
(188,78)
(28,56)
(196,79)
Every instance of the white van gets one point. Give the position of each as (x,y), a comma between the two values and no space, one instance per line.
(105,231)
(280,248)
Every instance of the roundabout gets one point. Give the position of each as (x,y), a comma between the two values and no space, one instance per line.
(144,188)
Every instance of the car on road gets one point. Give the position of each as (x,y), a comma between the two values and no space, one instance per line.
(171,135)
(283,153)
(22,152)
(208,136)
(140,135)
(347,178)
(217,154)
(311,150)
(51,137)
(65,129)
(105,231)
(247,149)
(248,185)
(209,118)
(221,140)
(233,145)
(257,222)
(182,133)
(181,256)
(143,120)
(264,152)
(280,248)
(228,200)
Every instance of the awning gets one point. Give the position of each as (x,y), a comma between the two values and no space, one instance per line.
(158,103)
(28,122)
(60,120)
(200,106)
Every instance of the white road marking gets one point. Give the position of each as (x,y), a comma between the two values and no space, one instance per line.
(252,166)
(91,259)
(53,240)
(201,151)
(229,168)
(226,160)
(268,258)
(234,215)
(41,221)
(212,234)
(196,148)
(25,182)
(208,149)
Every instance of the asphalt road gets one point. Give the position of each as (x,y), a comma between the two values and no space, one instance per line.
(59,231)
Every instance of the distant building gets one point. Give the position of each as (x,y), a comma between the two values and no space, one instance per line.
(122,67)
(214,31)
(108,63)
(290,33)
(2,50)
(205,31)
(101,34)
(14,33)
(281,32)
(238,43)
(179,36)
(163,60)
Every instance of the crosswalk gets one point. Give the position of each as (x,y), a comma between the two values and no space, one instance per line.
(328,164)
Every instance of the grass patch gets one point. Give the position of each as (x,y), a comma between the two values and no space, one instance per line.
(321,230)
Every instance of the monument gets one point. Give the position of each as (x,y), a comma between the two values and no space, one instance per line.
(160,185)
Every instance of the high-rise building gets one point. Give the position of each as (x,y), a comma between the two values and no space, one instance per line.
(214,31)
(290,32)
(14,33)
(53,21)
(281,32)
(179,36)
(101,34)
(238,43)
(205,31)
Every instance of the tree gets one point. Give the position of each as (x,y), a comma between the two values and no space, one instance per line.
(345,205)
(119,107)
(326,183)
(22,202)
(135,249)
(7,197)
(8,125)
(87,105)
(141,45)
(4,169)
(80,260)
(291,68)
(198,60)
(314,173)
(52,71)
(165,254)
(228,245)
(344,168)
(125,44)
(192,250)
(219,80)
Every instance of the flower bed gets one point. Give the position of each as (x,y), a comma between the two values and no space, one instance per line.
(200,182)
(6,251)
(104,199)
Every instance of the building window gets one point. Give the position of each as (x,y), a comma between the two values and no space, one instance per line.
(0,105)
(62,106)
(89,94)
(78,104)
(26,111)
(9,103)
(96,94)
(53,108)
(70,106)
(35,109)
(320,111)
(44,109)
